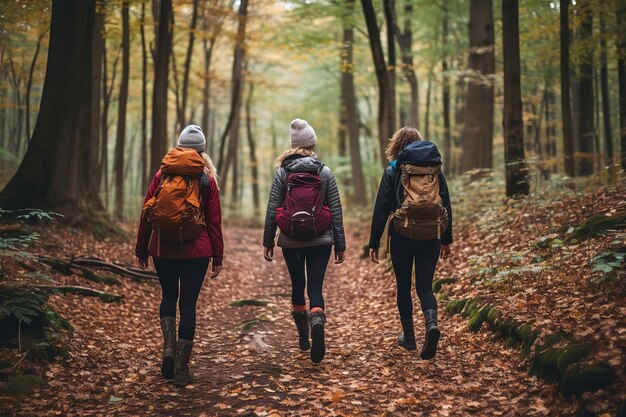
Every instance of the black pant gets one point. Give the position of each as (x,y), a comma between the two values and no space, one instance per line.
(315,260)
(425,254)
(190,274)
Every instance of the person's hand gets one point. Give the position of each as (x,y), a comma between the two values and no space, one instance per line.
(339,257)
(268,253)
(445,251)
(142,262)
(374,255)
(216,271)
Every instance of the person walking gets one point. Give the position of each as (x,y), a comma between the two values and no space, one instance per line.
(180,228)
(304,203)
(413,204)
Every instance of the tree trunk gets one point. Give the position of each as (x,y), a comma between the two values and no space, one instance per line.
(121,115)
(516,171)
(192,35)
(107,91)
(606,109)
(405,40)
(208,46)
(382,77)
(447,133)
(348,102)
(254,164)
(459,118)
(236,90)
(390,12)
(586,126)
(478,133)
(29,84)
(621,75)
(50,170)
(426,130)
(91,159)
(143,168)
(566,103)
(158,144)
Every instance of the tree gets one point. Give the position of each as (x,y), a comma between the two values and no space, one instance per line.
(348,104)
(382,77)
(51,169)
(390,11)
(447,132)
(158,144)
(121,114)
(29,83)
(192,33)
(143,168)
(604,81)
(566,103)
(586,125)
(254,164)
(516,171)
(621,75)
(478,130)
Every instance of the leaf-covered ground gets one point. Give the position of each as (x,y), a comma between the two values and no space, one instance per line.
(246,358)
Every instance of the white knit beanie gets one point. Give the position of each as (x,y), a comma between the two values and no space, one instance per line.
(302,135)
(192,137)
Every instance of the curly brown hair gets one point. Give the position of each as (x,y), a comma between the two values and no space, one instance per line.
(400,139)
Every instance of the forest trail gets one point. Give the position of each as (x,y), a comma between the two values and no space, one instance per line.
(260,371)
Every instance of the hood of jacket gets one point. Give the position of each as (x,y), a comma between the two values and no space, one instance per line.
(420,153)
(299,163)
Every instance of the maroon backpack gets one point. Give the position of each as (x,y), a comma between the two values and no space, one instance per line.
(303,215)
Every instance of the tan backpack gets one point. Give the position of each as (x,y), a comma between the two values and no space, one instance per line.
(174,210)
(422,215)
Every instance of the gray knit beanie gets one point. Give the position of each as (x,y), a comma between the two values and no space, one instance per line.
(192,137)
(302,135)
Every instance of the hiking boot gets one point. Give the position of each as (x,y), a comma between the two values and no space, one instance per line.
(432,335)
(407,338)
(317,320)
(302,324)
(168,326)
(182,374)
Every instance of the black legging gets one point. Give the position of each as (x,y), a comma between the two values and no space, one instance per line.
(425,254)
(190,274)
(315,260)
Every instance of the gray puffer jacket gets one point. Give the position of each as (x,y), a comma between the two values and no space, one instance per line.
(298,163)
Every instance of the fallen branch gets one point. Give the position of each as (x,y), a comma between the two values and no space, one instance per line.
(85,263)
(104,296)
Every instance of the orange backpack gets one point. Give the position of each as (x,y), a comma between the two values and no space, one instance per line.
(174,210)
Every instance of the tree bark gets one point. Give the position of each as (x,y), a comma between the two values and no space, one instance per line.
(516,171)
(390,12)
(478,131)
(566,103)
(185,89)
(143,168)
(236,90)
(586,126)
(621,75)
(382,77)
(606,108)
(447,134)
(405,40)
(348,102)
(91,158)
(107,92)
(120,142)
(158,144)
(29,84)
(254,164)
(50,170)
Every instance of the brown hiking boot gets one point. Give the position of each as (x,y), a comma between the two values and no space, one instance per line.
(168,326)
(182,374)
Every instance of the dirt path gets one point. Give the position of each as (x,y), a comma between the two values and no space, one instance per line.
(261,371)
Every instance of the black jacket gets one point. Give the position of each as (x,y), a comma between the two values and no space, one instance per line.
(298,163)
(390,194)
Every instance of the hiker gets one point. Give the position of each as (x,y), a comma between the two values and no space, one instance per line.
(413,206)
(304,203)
(181,229)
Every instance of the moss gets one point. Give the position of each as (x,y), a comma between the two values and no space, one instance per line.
(526,334)
(455,306)
(100,279)
(471,306)
(478,318)
(572,354)
(249,302)
(21,385)
(437,284)
(580,379)
(55,351)
(249,324)
(493,318)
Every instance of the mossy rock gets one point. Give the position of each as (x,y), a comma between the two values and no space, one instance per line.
(437,284)
(249,302)
(478,318)
(545,364)
(579,379)
(55,351)
(493,318)
(100,279)
(471,307)
(556,338)
(572,354)
(455,306)
(526,334)
(21,385)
